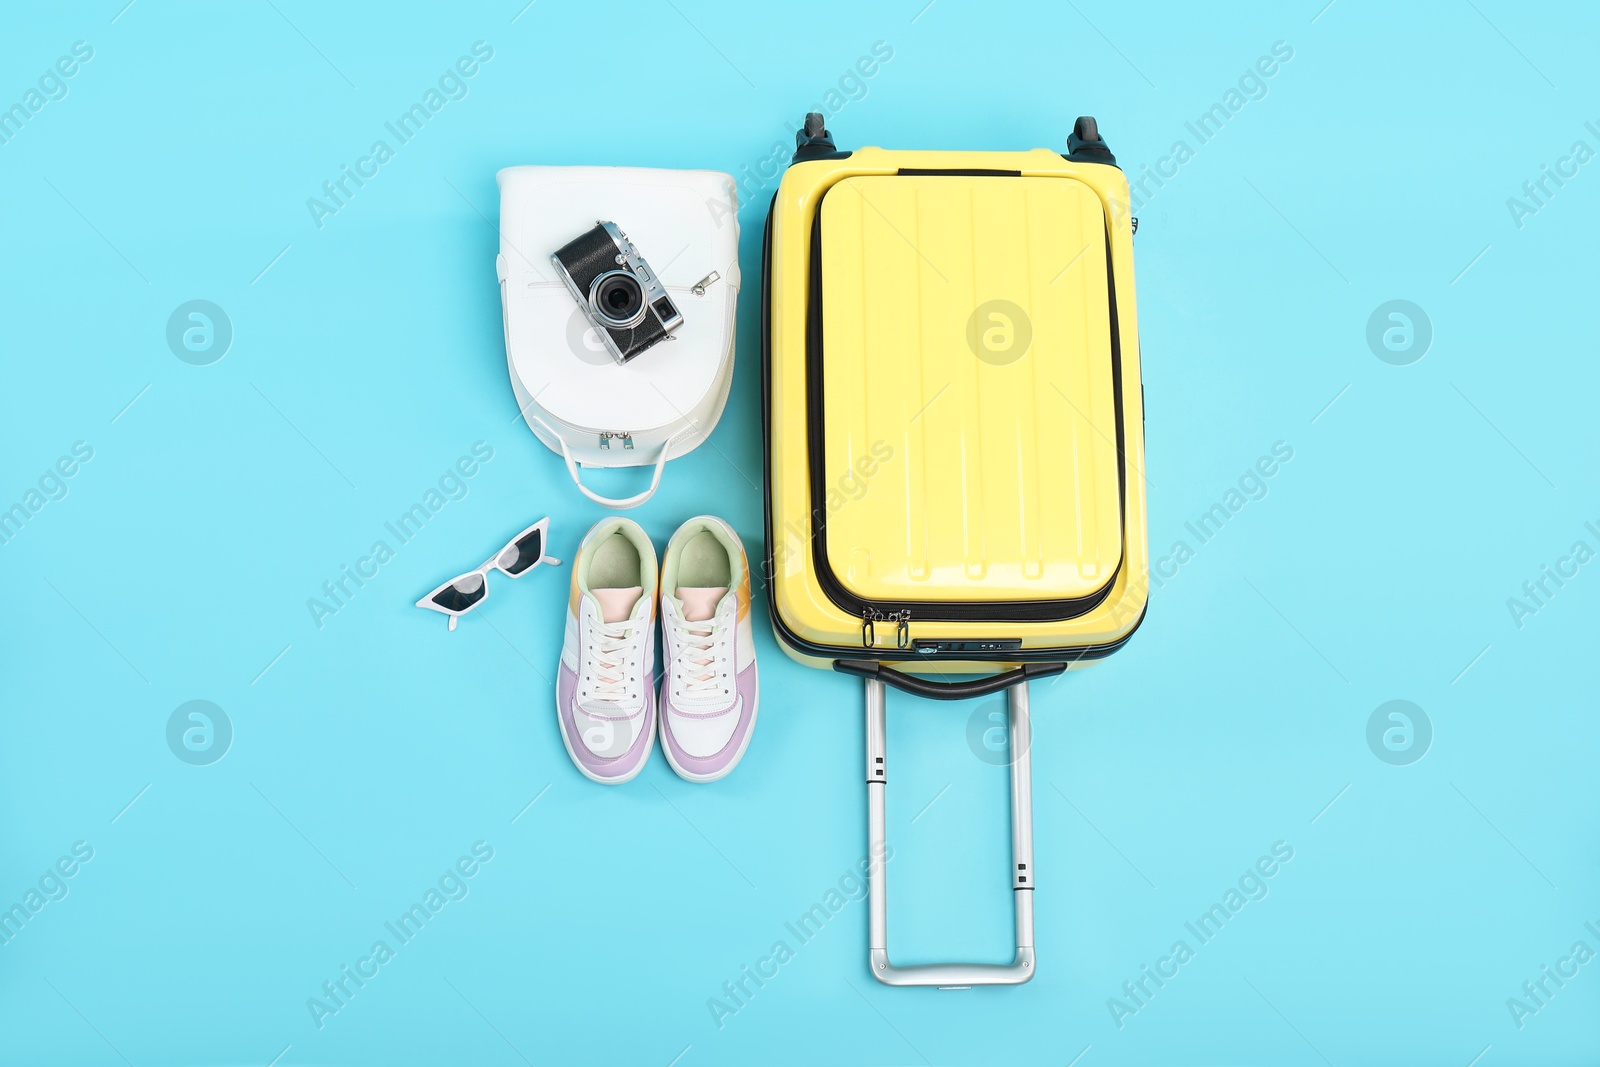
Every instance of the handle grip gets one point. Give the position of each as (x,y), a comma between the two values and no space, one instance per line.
(872,671)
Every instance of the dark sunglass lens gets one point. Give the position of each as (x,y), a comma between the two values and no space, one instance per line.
(455,598)
(528,550)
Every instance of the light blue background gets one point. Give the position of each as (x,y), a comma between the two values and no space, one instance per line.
(377,749)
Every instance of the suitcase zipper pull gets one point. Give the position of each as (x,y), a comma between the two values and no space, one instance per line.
(870,617)
(699,287)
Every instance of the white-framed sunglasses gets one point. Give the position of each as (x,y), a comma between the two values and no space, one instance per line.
(464,592)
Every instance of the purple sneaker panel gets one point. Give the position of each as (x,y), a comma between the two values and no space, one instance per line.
(600,766)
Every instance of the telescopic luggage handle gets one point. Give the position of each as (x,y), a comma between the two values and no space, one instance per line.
(952,975)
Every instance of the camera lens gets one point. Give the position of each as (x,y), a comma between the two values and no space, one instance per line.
(617,299)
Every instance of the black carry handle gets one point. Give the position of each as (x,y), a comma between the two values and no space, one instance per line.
(923,687)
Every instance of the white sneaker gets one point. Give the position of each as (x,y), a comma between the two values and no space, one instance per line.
(708,677)
(605,701)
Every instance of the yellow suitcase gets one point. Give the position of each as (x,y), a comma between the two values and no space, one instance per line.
(954,436)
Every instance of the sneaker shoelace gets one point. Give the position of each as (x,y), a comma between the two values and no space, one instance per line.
(612,646)
(698,649)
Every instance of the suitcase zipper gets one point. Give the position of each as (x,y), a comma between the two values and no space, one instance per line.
(870,617)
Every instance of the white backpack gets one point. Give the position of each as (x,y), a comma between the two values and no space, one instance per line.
(664,402)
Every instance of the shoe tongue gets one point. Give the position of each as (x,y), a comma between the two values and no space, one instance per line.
(700,602)
(616,605)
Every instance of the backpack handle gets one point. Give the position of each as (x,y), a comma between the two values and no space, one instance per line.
(619,503)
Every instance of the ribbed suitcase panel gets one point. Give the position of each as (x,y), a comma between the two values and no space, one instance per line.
(970,445)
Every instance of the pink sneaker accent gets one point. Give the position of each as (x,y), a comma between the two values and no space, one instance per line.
(700,603)
(616,604)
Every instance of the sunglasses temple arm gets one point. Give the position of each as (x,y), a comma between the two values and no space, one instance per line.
(551,560)
(453,620)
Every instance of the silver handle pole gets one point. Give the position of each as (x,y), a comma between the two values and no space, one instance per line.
(1022,869)
(950,975)
(877,828)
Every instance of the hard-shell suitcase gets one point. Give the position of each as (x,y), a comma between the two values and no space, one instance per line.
(954,439)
